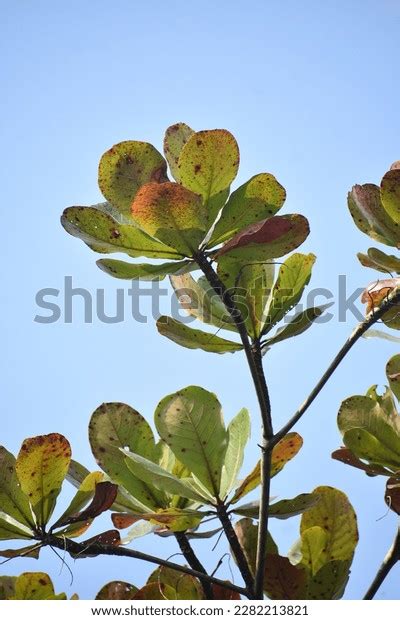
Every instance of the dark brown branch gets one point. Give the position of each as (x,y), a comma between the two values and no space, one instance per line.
(371,319)
(194,562)
(95,549)
(392,557)
(237,550)
(254,360)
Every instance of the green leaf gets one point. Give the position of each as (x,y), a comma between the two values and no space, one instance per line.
(238,435)
(393,375)
(329,582)
(284,509)
(153,475)
(194,338)
(208,163)
(293,277)
(35,586)
(259,198)
(125,168)
(7,587)
(172,214)
(187,588)
(84,495)
(12,500)
(201,301)
(299,324)
(175,139)
(390,194)
(144,271)
(114,426)
(190,422)
(377,333)
(254,284)
(104,234)
(116,591)
(41,467)
(376,259)
(267,239)
(364,202)
(175,519)
(282,453)
(370,431)
(328,530)
(10,528)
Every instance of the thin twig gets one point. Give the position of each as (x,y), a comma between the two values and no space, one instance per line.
(361,328)
(95,549)
(194,562)
(392,557)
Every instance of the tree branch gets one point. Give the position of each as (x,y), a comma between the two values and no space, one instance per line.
(254,360)
(361,328)
(193,561)
(392,557)
(95,549)
(237,550)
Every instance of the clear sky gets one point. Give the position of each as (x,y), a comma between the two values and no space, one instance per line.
(311,91)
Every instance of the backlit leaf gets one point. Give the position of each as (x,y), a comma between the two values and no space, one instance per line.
(370,431)
(35,586)
(104,234)
(172,214)
(298,325)
(364,202)
(259,198)
(175,139)
(153,475)
(145,271)
(195,338)
(328,530)
(208,163)
(125,168)
(293,277)
(282,453)
(12,500)
(190,422)
(238,435)
(393,375)
(187,588)
(41,467)
(267,239)
(376,259)
(390,194)
(116,591)
(114,426)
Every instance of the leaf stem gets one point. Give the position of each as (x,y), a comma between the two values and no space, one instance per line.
(392,557)
(194,562)
(94,549)
(361,328)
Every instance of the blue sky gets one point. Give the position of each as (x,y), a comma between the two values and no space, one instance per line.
(310,91)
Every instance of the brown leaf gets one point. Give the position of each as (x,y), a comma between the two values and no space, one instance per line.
(378,291)
(104,497)
(116,591)
(344,455)
(283,580)
(222,593)
(261,232)
(123,520)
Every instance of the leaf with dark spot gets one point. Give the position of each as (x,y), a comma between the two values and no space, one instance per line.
(116,591)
